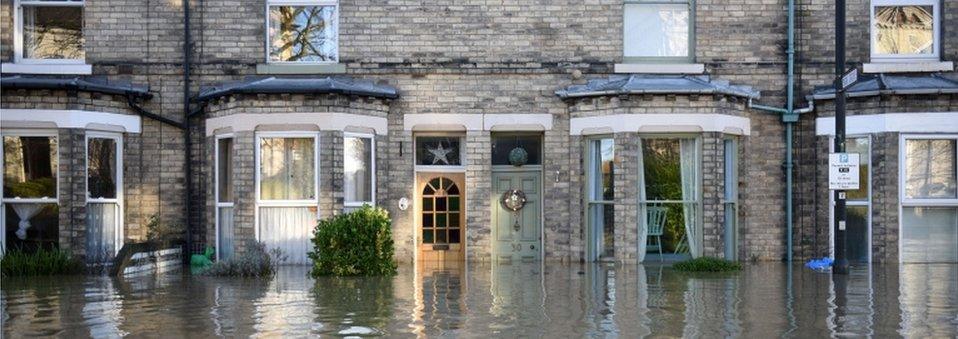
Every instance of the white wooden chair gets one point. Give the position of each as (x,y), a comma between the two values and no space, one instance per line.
(655,222)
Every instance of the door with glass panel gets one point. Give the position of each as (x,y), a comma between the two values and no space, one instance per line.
(669,198)
(929,198)
(30,213)
(441,216)
(600,186)
(287,198)
(224,198)
(858,204)
(104,212)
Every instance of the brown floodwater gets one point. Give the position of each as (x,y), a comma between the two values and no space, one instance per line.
(550,300)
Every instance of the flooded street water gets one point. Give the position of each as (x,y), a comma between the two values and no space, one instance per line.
(552,300)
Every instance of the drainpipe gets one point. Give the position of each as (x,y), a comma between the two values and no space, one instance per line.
(187,57)
(789,118)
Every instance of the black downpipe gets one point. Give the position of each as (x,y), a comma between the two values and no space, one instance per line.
(187,57)
(143,112)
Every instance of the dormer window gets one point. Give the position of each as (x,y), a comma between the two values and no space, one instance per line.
(49,32)
(658,31)
(304,31)
(905,30)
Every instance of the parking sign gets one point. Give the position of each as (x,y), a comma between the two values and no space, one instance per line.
(843,171)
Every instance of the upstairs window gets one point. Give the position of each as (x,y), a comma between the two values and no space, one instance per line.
(49,31)
(905,30)
(304,31)
(658,30)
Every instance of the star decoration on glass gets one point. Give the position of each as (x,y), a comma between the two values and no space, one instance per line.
(439,154)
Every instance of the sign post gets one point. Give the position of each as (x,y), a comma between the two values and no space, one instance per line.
(843,80)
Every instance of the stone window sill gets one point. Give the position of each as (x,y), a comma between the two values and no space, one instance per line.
(660,68)
(75,69)
(908,67)
(300,68)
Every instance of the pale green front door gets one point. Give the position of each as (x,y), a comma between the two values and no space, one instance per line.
(517,235)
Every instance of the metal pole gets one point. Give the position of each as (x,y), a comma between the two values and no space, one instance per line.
(841,263)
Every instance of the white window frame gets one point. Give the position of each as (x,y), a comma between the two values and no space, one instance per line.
(644,202)
(906,58)
(866,202)
(912,202)
(372,185)
(286,203)
(687,59)
(463,159)
(216,189)
(590,195)
(118,139)
(270,3)
(44,200)
(18,32)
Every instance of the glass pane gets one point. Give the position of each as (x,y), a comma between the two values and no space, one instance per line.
(454,236)
(29,167)
(656,30)
(453,219)
(53,32)
(453,204)
(441,236)
(224,174)
(101,168)
(602,173)
(357,168)
(504,144)
(303,33)
(662,166)
(427,237)
(930,169)
(929,234)
(43,231)
(427,220)
(427,204)
(441,204)
(860,146)
(452,190)
(438,151)
(904,30)
(287,169)
(440,219)
(857,233)
(602,220)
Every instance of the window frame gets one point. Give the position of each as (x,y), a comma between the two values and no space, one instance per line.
(730,196)
(271,3)
(590,198)
(117,137)
(52,133)
(372,168)
(260,202)
(904,202)
(18,32)
(463,158)
(867,203)
(905,58)
(690,58)
(216,187)
(699,202)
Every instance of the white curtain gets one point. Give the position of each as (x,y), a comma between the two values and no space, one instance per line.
(25,212)
(100,231)
(643,218)
(226,233)
(690,180)
(289,229)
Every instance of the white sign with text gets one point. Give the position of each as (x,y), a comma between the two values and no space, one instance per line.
(843,171)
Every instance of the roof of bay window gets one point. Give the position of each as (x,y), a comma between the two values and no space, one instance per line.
(274,85)
(873,85)
(82,84)
(656,84)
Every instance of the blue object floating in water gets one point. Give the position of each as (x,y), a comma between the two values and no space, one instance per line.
(821,265)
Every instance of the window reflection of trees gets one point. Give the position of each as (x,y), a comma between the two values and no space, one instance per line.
(303,33)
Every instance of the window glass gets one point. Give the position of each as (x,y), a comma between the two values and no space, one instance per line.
(859,146)
(904,30)
(224,175)
(603,151)
(929,234)
(52,32)
(287,169)
(303,33)
(29,167)
(930,169)
(657,30)
(441,212)
(358,169)
(438,151)
(504,144)
(662,165)
(101,168)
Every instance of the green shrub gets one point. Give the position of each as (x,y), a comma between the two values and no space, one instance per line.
(42,262)
(707,264)
(357,243)
(255,262)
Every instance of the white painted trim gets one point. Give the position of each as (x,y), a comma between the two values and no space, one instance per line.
(660,123)
(324,121)
(459,122)
(372,166)
(49,118)
(936,34)
(18,40)
(944,122)
(911,202)
(216,187)
(654,68)
(517,122)
(119,201)
(47,68)
(258,202)
(908,67)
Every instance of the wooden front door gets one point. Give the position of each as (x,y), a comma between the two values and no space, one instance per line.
(441,216)
(517,234)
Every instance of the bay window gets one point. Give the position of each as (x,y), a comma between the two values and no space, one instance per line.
(600,184)
(905,30)
(49,31)
(225,233)
(302,31)
(658,30)
(359,180)
(30,211)
(929,207)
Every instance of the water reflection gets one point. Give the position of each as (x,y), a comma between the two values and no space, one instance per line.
(521,300)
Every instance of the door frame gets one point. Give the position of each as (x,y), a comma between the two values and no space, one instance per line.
(258,202)
(417,169)
(118,140)
(851,203)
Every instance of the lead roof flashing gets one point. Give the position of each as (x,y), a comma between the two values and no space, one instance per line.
(82,84)
(656,84)
(273,85)
(887,84)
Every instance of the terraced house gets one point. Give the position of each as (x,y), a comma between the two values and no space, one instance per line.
(571,131)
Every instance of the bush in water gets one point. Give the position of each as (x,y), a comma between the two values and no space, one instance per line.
(356,243)
(42,262)
(707,264)
(255,262)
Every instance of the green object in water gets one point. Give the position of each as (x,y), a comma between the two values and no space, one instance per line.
(202,260)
